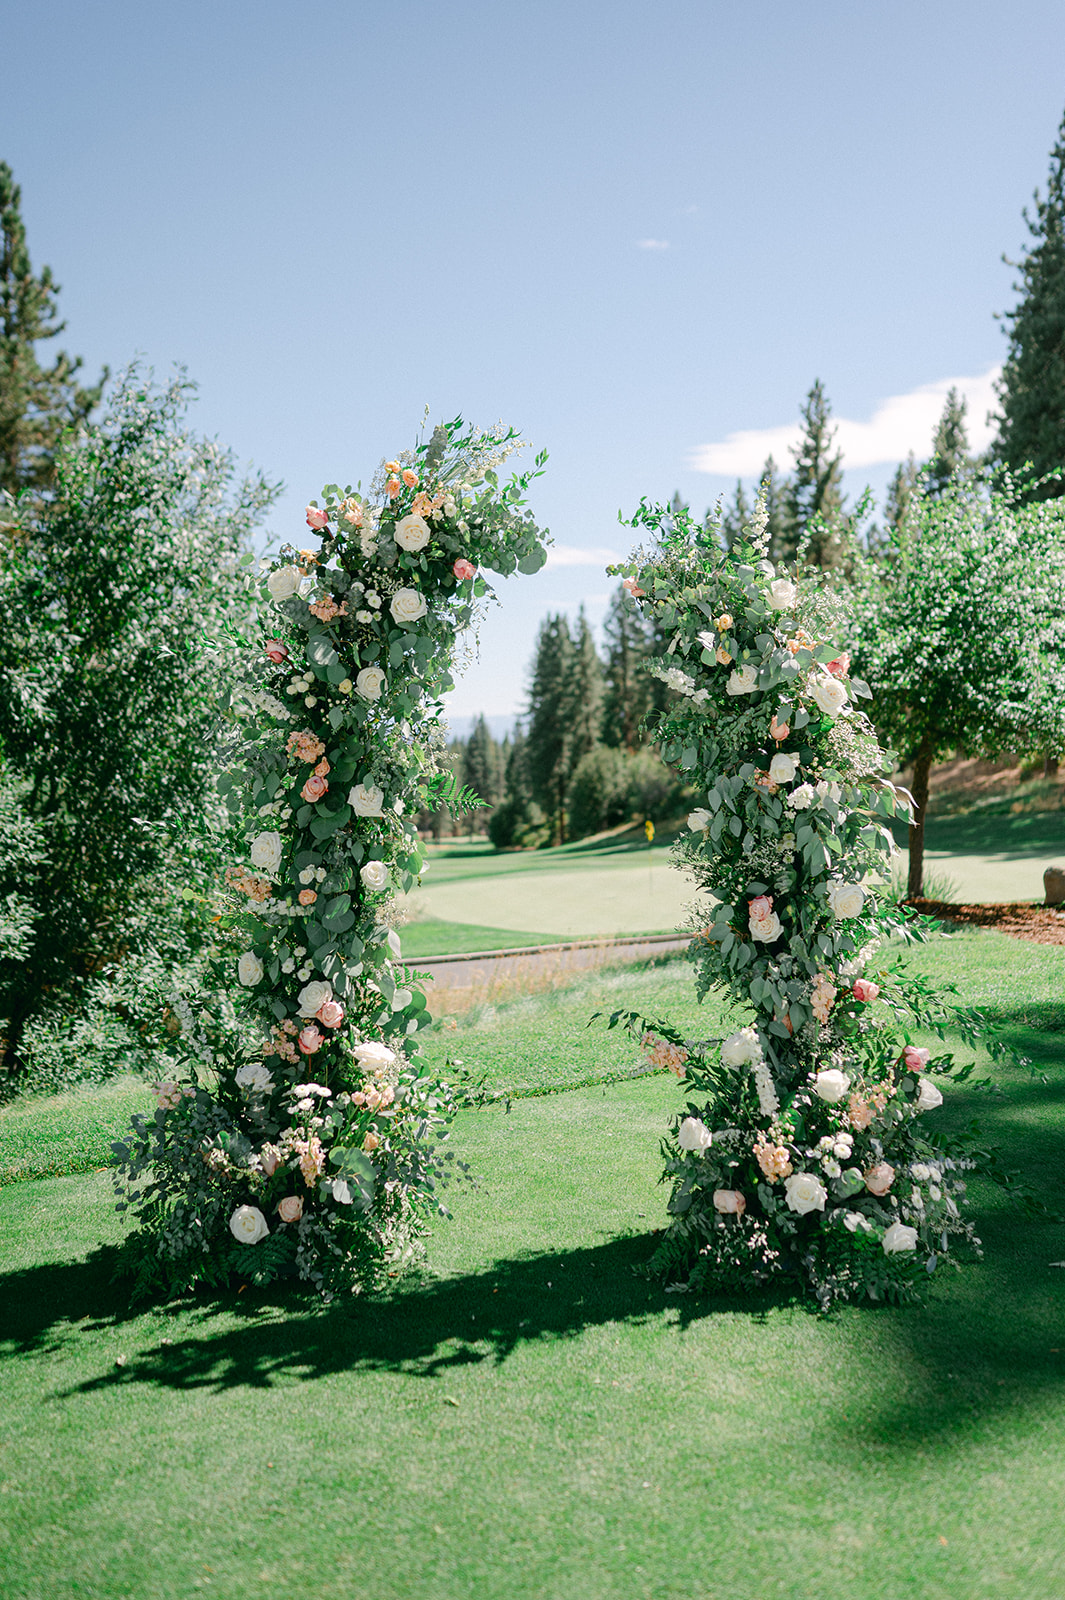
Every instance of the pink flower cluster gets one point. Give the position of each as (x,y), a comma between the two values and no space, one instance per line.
(250,883)
(663,1055)
(773,1159)
(312,1158)
(305,746)
(325,610)
(822,995)
(280,1041)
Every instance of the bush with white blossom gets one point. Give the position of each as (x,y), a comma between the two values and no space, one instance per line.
(809,1147)
(312,1145)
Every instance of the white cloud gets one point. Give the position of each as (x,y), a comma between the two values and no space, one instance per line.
(902,423)
(652,244)
(571,555)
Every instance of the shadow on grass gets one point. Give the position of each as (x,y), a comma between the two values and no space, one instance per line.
(995,836)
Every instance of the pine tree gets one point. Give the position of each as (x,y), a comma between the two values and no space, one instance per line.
(1031,390)
(900,491)
(584,693)
(735,517)
(482,764)
(549,742)
(950,447)
(36,403)
(813,499)
(627,696)
(775,509)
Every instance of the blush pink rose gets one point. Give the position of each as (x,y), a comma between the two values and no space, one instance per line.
(729,1201)
(330,1013)
(464,568)
(269,1160)
(410,477)
(915,1058)
(314,788)
(310,1040)
(864,990)
(878,1179)
(841,666)
(290,1209)
(316,518)
(760,907)
(859,1112)
(277,651)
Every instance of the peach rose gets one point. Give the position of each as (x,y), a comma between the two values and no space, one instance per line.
(290,1209)
(724,656)
(331,1014)
(729,1201)
(632,587)
(393,486)
(864,990)
(371,1141)
(277,651)
(310,1040)
(314,788)
(841,666)
(316,518)
(859,1112)
(307,897)
(410,477)
(464,569)
(760,907)
(878,1179)
(778,730)
(915,1058)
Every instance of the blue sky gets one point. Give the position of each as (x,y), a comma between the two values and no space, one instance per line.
(638,233)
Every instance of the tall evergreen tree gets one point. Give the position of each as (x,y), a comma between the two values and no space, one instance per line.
(735,517)
(627,696)
(950,447)
(775,509)
(584,693)
(549,744)
(36,403)
(900,491)
(483,765)
(813,498)
(1031,390)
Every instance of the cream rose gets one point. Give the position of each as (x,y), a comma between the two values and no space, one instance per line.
(928,1096)
(372,1054)
(248,1225)
(250,969)
(805,1193)
(266,851)
(845,900)
(366,800)
(783,768)
(412,533)
(730,1202)
(283,583)
(698,819)
(290,1209)
(831,1085)
(694,1135)
(374,875)
(829,695)
(407,605)
(743,680)
(782,595)
(313,997)
(898,1237)
(369,683)
(767,928)
(255,1078)
(741,1047)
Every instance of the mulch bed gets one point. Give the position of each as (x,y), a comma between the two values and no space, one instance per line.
(1018,918)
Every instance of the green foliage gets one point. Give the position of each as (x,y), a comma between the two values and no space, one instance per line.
(813,497)
(115,598)
(36,403)
(444,789)
(1031,437)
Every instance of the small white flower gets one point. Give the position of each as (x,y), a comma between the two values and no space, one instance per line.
(830,1167)
(364,616)
(319,873)
(802,798)
(288,965)
(920,1171)
(373,599)
(741,1047)
(742,680)
(698,819)
(307,875)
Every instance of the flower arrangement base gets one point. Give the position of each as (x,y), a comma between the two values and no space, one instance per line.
(296,1133)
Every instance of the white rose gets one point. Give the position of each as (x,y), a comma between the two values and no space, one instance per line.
(250,969)
(255,1078)
(803,797)
(742,680)
(767,928)
(372,1053)
(921,1172)
(741,1047)
(248,1225)
(412,533)
(266,852)
(694,1135)
(407,605)
(374,875)
(307,875)
(283,583)
(366,800)
(782,595)
(783,768)
(313,996)
(369,683)
(831,1085)
(698,819)
(899,1237)
(805,1193)
(829,694)
(928,1096)
(846,900)
(853,1220)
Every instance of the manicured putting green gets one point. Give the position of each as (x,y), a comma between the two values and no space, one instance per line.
(640,896)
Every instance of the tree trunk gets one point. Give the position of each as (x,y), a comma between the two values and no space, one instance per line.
(922,767)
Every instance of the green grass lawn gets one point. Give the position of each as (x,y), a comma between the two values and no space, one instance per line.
(527,1418)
